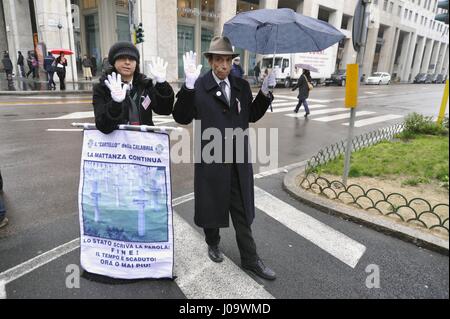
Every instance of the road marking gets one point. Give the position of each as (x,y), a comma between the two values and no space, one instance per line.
(319,112)
(320,101)
(374,120)
(333,242)
(286,97)
(71,116)
(291,109)
(64,130)
(280,170)
(201,278)
(48,103)
(278,104)
(340,116)
(48,97)
(36,262)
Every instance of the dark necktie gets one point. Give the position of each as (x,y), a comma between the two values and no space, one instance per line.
(223,86)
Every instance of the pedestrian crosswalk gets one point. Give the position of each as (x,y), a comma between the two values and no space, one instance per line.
(157,119)
(328,111)
(198,277)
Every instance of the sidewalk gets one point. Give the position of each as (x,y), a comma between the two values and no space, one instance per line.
(28,86)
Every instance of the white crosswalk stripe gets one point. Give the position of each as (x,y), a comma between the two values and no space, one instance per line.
(292,107)
(375,120)
(285,104)
(340,116)
(333,242)
(319,112)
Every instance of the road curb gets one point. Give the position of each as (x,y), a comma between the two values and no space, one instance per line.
(378,223)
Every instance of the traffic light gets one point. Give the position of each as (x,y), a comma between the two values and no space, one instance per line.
(139,34)
(443,17)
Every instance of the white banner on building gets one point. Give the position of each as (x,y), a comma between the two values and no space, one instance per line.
(125,205)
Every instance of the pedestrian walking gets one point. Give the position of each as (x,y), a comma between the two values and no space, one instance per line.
(106,65)
(223,187)
(257,70)
(3,219)
(21,64)
(60,66)
(8,67)
(30,64)
(86,63)
(49,67)
(126,96)
(236,69)
(94,65)
(304,86)
(272,82)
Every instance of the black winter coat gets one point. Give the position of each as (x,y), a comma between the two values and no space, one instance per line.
(109,114)
(302,86)
(212,182)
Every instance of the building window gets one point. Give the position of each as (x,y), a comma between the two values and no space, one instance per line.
(399,12)
(406,14)
(243,6)
(385,4)
(416,18)
(410,15)
(345,22)
(391,7)
(122,4)
(90,4)
(123,28)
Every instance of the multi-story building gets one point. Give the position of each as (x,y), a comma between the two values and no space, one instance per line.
(403,37)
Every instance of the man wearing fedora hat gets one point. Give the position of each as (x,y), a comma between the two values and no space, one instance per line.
(224,186)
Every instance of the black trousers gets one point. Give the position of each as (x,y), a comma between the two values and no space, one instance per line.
(62,79)
(244,237)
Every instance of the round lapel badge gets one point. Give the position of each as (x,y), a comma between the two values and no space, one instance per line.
(219,94)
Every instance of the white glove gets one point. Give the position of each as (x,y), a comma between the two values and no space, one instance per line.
(191,69)
(158,69)
(114,83)
(265,85)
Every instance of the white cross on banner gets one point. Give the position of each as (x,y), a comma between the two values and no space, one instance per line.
(125,205)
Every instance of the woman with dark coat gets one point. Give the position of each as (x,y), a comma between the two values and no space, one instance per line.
(303,94)
(61,63)
(126,96)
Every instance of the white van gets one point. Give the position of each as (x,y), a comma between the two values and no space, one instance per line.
(286,72)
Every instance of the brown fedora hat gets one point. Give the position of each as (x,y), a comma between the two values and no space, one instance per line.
(220,46)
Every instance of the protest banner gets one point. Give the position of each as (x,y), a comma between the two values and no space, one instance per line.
(125,205)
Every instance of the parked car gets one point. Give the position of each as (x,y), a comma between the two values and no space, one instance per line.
(440,78)
(337,78)
(379,78)
(420,78)
(430,78)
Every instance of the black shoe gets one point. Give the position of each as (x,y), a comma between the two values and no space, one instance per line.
(261,270)
(306,115)
(215,254)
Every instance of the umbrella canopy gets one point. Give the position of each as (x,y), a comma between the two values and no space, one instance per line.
(306,67)
(269,31)
(59,51)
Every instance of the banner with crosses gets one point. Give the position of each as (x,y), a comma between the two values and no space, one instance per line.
(125,205)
